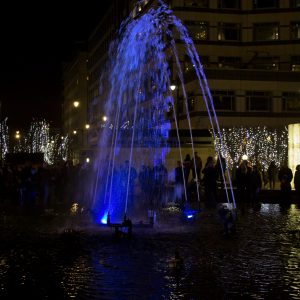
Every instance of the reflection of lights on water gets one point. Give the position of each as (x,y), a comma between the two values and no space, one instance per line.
(190,213)
(270,208)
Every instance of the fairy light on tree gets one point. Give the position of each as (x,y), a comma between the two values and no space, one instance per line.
(40,140)
(57,149)
(260,144)
(38,137)
(4,139)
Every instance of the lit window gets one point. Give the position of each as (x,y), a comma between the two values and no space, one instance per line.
(198,30)
(191,102)
(266,63)
(295,63)
(266,31)
(295,30)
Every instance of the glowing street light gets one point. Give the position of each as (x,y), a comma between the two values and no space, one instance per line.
(104,118)
(173,87)
(87,126)
(17,136)
(74,132)
(76,104)
(245,157)
(88,160)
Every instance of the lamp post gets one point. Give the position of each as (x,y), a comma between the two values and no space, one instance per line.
(175,87)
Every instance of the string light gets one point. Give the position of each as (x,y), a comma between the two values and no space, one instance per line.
(39,140)
(4,139)
(259,144)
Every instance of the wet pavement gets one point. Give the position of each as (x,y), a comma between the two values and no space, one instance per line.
(57,256)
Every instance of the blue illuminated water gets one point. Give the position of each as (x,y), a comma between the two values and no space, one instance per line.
(140,106)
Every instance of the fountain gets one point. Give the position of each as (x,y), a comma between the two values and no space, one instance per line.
(141,111)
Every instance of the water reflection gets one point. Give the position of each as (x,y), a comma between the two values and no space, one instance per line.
(260,262)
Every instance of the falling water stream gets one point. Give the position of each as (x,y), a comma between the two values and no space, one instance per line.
(138,100)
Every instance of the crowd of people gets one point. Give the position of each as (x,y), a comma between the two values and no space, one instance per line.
(43,186)
(40,186)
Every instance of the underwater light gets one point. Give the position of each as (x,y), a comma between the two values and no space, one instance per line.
(104,219)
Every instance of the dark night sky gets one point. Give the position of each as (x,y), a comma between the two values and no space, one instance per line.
(35,39)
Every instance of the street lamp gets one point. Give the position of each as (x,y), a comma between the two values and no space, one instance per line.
(76,104)
(17,136)
(173,87)
(104,118)
(87,126)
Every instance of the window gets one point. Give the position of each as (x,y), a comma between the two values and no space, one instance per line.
(266,31)
(265,4)
(266,63)
(231,4)
(196,3)
(229,62)
(180,106)
(295,30)
(295,3)
(295,63)
(291,101)
(188,66)
(198,30)
(258,101)
(229,32)
(223,100)
(191,102)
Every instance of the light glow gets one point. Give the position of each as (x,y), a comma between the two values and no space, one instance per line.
(294,146)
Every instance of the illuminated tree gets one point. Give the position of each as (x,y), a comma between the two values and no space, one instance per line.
(4,139)
(40,140)
(260,144)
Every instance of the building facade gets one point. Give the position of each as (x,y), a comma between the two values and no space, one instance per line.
(250,51)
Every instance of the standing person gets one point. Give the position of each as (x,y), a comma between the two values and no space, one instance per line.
(179,184)
(210,181)
(196,162)
(187,164)
(242,180)
(272,174)
(297,181)
(221,168)
(285,176)
(255,183)
(160,179)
